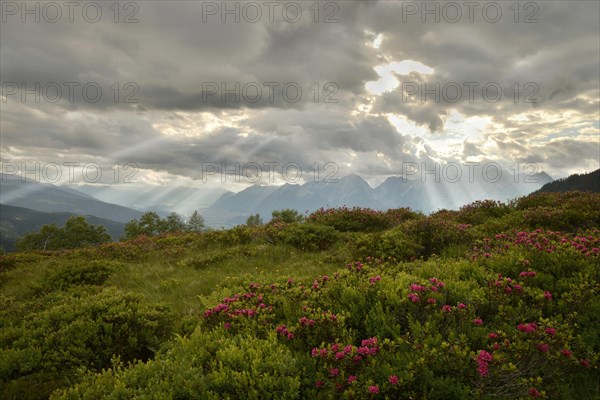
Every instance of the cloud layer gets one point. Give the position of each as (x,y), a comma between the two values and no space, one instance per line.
(349,91)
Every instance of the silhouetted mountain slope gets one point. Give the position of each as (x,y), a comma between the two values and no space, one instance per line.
(49,198)
(16,221)
(584,182)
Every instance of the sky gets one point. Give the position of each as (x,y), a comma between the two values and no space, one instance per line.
(232,93)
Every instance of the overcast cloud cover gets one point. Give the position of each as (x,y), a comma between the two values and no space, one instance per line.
(368,56)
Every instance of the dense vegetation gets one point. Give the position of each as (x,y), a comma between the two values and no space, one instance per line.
(77,232)
(491,301)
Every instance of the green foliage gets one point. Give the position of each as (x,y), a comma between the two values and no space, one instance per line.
(196,222)
(77,232)
(287,216)
(150,224)
(309,237)
(254,220)
(489,301)
(95,272)
(173,223)
(208,365)
(358,219)
(51,337)
(437,232)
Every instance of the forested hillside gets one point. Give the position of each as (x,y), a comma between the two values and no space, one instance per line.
(584,182)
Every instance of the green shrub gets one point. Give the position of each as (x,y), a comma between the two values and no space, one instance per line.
(53,336)
(308,236)
(355,219)
(80,273)
(208,365)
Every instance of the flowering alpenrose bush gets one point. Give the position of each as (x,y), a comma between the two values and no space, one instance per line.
(434,329)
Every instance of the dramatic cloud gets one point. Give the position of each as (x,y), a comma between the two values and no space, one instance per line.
(365,85)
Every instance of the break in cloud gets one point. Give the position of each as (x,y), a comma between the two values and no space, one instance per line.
(370,62)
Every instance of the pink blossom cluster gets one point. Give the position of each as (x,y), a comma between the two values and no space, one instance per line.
(448,308)
(527,328)
(368,347)
(284,331)
(417,290)
(304,321)
(356,265)
(541,240)
(507,284)
(483,360)
(374,279)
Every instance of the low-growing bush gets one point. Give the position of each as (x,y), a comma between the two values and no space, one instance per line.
(308,236)
(355,219)
(54,335)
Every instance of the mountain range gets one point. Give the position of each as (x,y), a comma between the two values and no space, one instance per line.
(423,195)
(27,205)
(49,198)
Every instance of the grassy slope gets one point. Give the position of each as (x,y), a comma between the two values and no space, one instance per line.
(190,273)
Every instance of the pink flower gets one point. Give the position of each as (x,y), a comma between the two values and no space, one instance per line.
(323,352)
(369,342)
(348,349)
(393,379)
(483,358)
(584,363)
(334,372)
(226,325)
(550,331)
(352,378)
(543,347)
(547,295)
(319,384)
(431,300)
(527,328)
(533,392)
(374,279)
(414,297)
(478,321)
(446,308)
(566,353)
(417,288)
(493,335)
(339,355)
(462,306)
(314,352)
(373,389)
